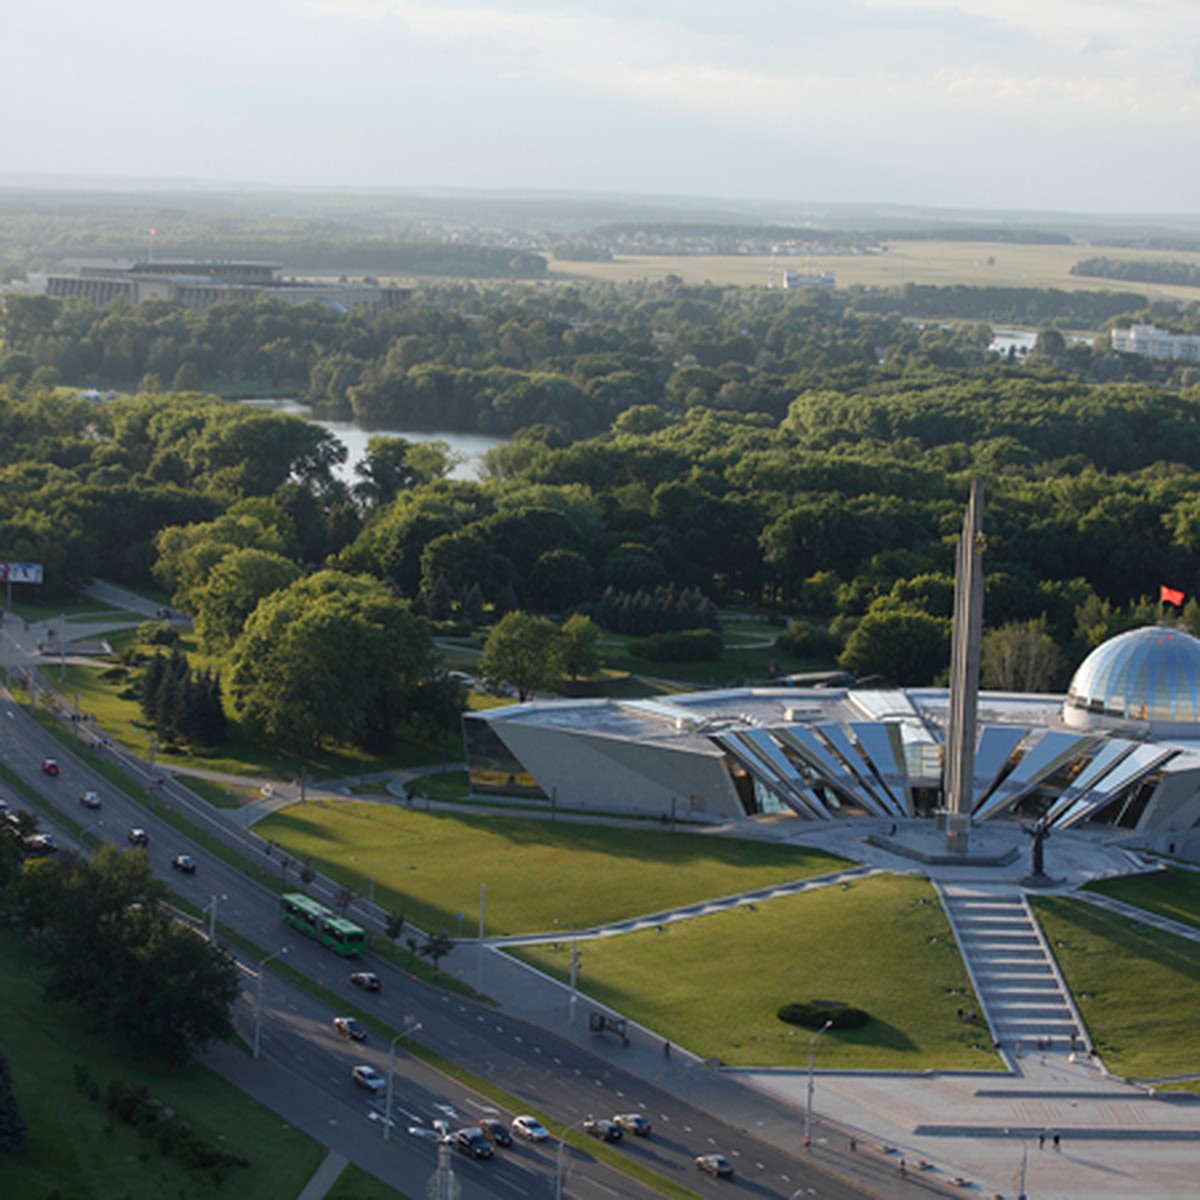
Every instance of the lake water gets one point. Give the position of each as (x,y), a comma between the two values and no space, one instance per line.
(472,446)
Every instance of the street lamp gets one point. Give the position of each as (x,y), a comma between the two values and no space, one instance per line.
(258,997)
(808,1108)
(410,1027)
(559,1158)
(212,919)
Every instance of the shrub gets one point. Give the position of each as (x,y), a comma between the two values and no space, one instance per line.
(692,645)
(814,1014)
(805,640)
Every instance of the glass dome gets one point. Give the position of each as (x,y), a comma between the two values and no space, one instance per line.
(1145,675)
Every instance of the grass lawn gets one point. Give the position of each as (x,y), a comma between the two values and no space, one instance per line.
(1135,987)
(355,1184)
(76,1150)
(714,984)
(539,874)
(1171,893)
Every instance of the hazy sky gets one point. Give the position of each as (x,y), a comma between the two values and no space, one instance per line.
(1037,104)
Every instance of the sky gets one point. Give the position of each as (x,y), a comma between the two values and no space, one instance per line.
(1044,105)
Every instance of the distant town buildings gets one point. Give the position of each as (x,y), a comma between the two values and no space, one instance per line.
(1152,342)
(199,285)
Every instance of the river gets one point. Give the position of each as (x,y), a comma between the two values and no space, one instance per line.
(471,446)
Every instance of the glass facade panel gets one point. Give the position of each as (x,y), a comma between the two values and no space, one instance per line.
(491,765)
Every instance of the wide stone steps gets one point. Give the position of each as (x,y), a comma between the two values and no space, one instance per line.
(1017,985)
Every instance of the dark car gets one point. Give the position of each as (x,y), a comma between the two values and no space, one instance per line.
(716,1165)
(185,863)
(472,1142)
(495,1131)
(90,799)
(633,1123)
(139,837)
(348,1027)
(605,1130)
(367,980)
(50,766)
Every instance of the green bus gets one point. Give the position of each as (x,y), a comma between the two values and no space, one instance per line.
(312,918)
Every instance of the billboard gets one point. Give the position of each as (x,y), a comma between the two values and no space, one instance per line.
(15,572)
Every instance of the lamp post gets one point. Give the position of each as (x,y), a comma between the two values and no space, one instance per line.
(410,1027)
(560,1156)
(812,1042)
(212,919)
(258,997)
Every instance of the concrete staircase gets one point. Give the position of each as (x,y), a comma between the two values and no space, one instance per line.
(1022,994)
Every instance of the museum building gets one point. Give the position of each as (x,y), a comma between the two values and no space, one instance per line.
(1120,751)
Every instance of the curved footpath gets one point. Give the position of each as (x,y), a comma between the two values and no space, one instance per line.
(1051,1117)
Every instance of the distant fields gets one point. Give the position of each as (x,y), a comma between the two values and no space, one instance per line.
(942,264)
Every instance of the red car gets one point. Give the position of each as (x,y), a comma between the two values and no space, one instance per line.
(50,766)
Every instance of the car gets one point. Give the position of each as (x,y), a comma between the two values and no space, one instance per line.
(633,1123)
(530,1128)
(605,1130)
(367,1077)
(90,799)
(367,980)
(495,1132)
(472,1142)
(37,845)
(50,766)
(716,1165)
(138,837)
(185,863)
(348,1027)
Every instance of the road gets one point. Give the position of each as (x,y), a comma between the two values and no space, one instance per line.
(305,1069)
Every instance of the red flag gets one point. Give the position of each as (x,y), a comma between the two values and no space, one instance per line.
(1168,595)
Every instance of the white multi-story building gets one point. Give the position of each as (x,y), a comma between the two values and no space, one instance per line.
(1152,342)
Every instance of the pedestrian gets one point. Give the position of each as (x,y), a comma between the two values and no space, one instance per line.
(1041,1141)
(1056,1140)
(666,1049)
(853,1144)
(902,1168)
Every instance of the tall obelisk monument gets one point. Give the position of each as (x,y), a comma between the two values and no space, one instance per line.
(959,767)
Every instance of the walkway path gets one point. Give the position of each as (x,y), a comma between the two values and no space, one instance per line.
(1025,1001)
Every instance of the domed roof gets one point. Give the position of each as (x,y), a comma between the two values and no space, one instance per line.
(1145,675)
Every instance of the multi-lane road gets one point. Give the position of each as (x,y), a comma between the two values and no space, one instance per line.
(304,1071)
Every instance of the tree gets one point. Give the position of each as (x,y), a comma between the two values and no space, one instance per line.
(525,651)
(580,638)
(1021,656)
(435,947)
(14,1130)
(907,648)
(116,949)
(232,591)
(394,926)
(333,657)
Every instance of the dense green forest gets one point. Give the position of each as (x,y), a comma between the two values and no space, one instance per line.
(674,448)
(1139,270)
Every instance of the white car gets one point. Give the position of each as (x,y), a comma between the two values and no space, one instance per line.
(90,799)
(367,1077)
(529,1128)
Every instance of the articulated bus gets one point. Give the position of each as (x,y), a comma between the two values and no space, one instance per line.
(324,925)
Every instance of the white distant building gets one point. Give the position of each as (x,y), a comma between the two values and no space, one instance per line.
(798,279)
(1152,342)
